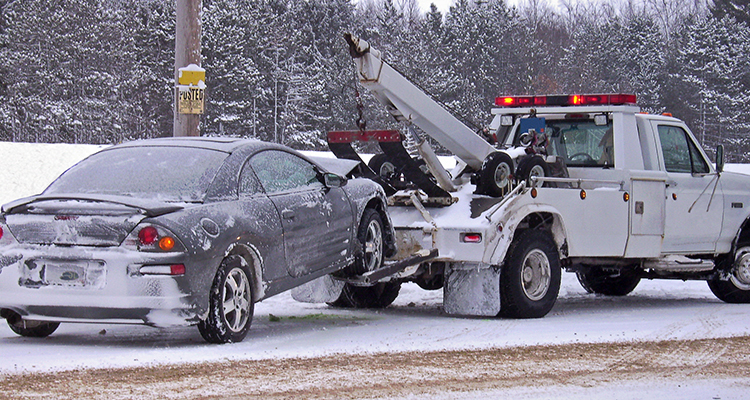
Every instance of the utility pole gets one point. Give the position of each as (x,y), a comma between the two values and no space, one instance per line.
(187,51)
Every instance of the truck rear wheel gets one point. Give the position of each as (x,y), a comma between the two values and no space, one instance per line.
(736,289)
(530,278)
(600,281)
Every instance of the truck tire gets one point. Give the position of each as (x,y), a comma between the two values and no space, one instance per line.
(530,278)
(736,289)
(36,329)
(532,166)
(380,295)
(599,281)
(496,174)
(231,286)
(380,164)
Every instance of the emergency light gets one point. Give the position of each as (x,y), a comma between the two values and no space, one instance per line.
(567,100)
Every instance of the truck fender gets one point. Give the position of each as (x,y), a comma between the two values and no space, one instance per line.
(537,216)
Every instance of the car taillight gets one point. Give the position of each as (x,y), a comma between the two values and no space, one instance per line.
(1,232)
(153,238)
(148,235)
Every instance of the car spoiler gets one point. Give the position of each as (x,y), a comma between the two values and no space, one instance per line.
(149,208)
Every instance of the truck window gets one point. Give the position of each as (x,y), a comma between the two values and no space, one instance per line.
(581,143)
(680,154)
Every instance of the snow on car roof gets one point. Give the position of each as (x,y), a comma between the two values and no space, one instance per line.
(224,144)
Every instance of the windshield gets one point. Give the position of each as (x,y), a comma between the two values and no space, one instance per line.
(581,143)
(178,174)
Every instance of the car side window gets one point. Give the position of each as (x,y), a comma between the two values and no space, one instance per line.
(279,171)
(249,184)
(680,153)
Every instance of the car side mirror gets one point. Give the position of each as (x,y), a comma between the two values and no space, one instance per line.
(333,180)
(720,158)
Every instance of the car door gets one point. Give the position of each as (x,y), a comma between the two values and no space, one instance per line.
(316,220)
(260,224)
(693,197)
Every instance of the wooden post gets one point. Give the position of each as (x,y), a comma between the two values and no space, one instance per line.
(187,51)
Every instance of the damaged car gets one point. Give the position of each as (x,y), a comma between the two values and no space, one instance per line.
(184,231)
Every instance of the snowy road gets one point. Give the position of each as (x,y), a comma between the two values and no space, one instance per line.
(657,310)
(639,346)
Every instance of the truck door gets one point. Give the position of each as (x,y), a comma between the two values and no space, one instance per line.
(694,200)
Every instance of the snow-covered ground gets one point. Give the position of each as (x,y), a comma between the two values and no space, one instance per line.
(283,328)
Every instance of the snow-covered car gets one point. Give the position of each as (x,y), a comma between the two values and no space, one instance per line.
(180,231)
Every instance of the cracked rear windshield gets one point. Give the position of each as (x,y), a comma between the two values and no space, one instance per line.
(177,174)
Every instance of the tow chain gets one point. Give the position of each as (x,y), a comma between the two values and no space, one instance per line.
(361,123)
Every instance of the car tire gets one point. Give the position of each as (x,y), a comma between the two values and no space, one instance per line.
(371,236)
(496,174)
(36,329)
(232,286)
(735,289)
(598,281)
(530,278)
(380,295)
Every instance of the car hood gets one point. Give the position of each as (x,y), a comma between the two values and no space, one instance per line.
(79,220)
(336,165)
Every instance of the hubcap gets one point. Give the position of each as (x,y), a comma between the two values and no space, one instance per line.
(236,299)
(535,275)
(741,271)
(373,245)
(537,170)
(502,174)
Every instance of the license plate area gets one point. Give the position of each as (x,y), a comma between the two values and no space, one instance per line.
(88,274)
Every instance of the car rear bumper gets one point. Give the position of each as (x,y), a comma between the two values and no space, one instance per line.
(102,285)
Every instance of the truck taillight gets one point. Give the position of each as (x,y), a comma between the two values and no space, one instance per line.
(471,237)
(612,99)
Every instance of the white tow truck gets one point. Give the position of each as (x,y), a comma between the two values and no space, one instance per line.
(584,183)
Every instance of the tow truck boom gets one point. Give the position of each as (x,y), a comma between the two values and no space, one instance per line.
(409,104)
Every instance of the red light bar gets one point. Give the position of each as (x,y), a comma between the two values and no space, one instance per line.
(570,100)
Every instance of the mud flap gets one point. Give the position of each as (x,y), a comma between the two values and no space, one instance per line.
(472,290)
(322,290)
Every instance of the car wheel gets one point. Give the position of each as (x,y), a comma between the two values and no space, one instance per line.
(380,295)
(230,303)
(599,281)
(371,237)
(530,278)
(38,329)
(496,174)
(736,289)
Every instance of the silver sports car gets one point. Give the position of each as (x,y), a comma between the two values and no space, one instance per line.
(184,231)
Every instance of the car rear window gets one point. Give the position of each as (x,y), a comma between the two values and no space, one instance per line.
(180,174)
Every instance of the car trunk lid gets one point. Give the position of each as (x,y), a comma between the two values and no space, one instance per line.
(88,221)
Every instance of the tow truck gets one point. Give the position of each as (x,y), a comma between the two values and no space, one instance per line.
(583,183)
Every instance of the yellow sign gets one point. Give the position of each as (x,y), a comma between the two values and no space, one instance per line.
(190,99)
(191,75)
